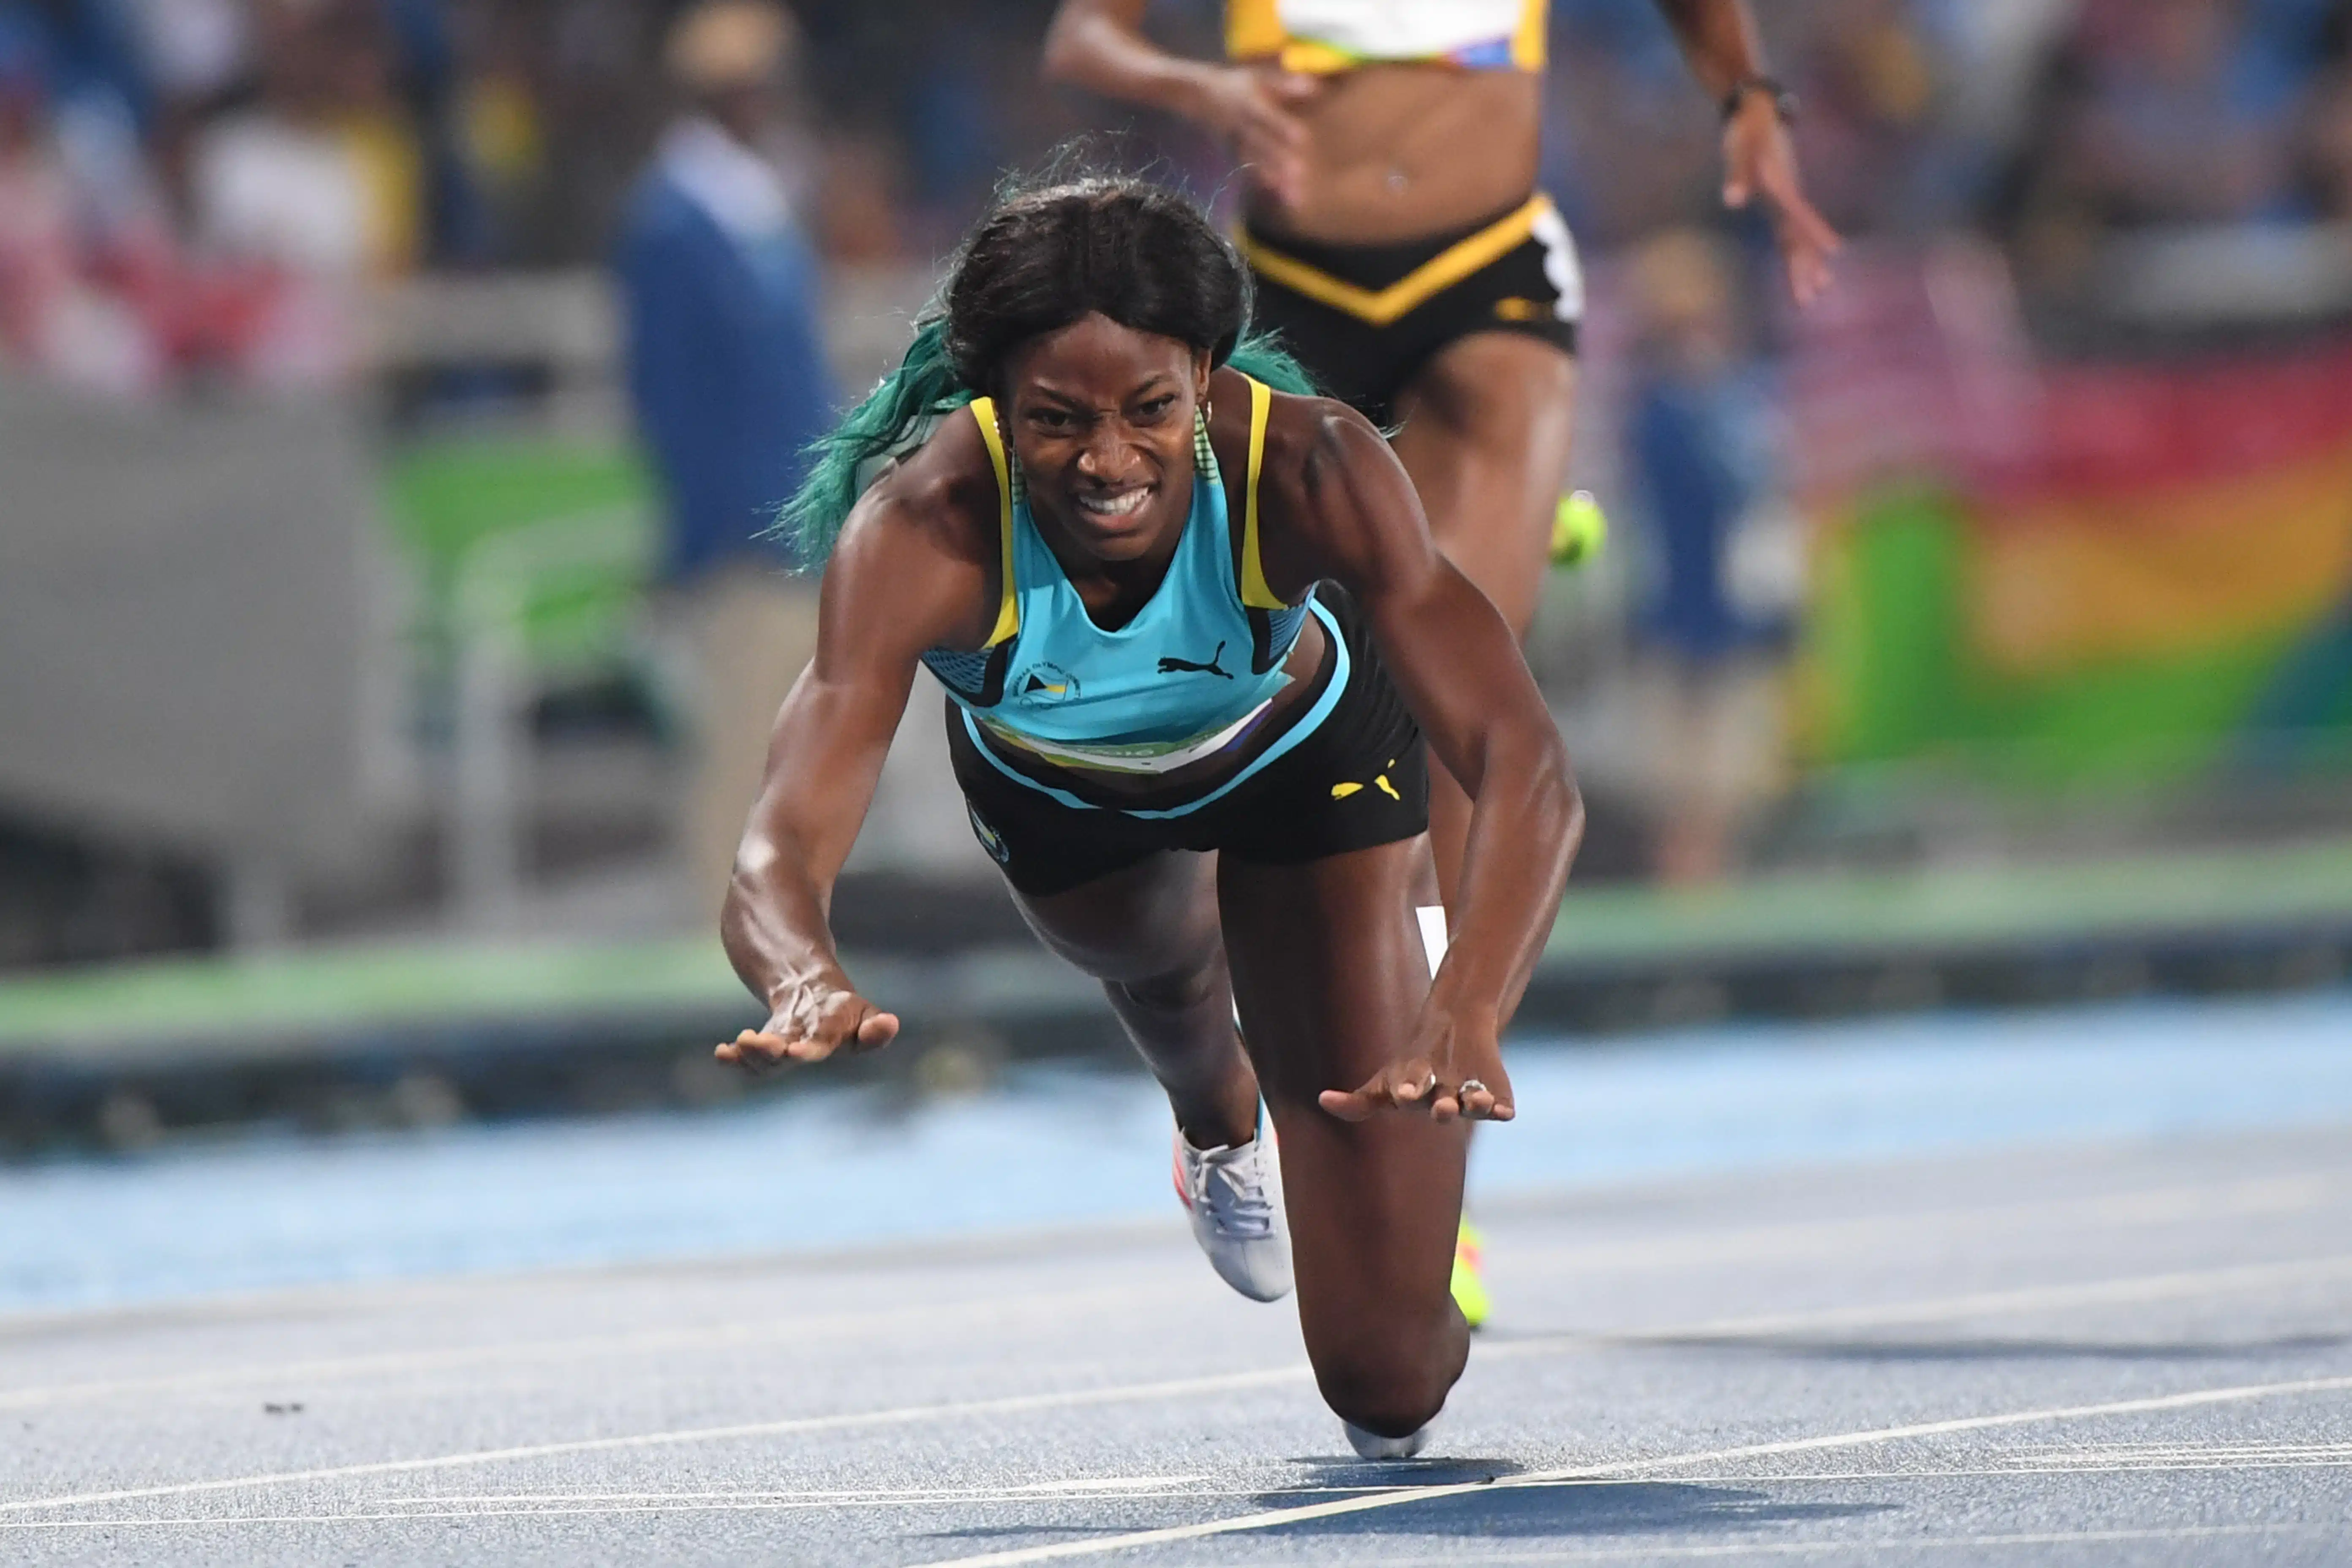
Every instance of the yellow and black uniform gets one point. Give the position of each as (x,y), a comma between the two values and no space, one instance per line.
(1364,319)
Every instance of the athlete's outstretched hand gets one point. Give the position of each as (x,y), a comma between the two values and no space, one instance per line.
(1455,1069)
(1252,109)
(811,1023)
(1757,158)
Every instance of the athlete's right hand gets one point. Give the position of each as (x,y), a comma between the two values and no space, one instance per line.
(1252,108)
(812,1020)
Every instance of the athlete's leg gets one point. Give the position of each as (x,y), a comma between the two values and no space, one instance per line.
(1327,962)
(1149,933)
(1484,435)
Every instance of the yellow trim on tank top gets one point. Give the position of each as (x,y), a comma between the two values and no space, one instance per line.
(1008,609)
(1528,43)
(1380,307)
(1255,594)
(1254,31)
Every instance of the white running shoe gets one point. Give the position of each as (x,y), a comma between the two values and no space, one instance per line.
(1234,1196)
(1372,1446)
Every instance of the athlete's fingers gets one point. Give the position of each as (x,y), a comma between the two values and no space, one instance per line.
(875,1030)
(1488,1102)
(755,1049)
(1397,1086)
(1294,86)
(1806,239)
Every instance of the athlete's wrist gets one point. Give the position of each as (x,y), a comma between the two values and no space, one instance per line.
(1760,87)
(821,976)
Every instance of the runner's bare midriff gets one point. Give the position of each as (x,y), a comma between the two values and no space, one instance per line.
(1397,153)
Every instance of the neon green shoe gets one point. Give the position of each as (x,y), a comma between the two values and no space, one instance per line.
(1470,1274)
(1578,530)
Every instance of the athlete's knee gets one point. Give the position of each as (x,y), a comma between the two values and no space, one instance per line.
(1173,991)
(1387,1385)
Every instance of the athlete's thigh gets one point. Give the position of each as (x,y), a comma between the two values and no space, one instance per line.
(1153,918)
(1485,434)
(1330,973)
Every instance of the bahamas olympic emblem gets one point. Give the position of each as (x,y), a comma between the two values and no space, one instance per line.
(1045,683)
(989,838)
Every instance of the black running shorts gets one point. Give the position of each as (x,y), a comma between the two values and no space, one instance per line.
(1360,778)
(1364,319)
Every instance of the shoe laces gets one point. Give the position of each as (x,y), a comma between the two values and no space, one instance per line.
(1230,1186)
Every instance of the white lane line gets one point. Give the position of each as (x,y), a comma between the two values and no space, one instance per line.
(1010,1405)
(2131,1291)
(777,1330)
(1644,1468)
(1790,1240)
(596,1511)
(930,1494)
(1878,1549)
(2144,1288)
(587,1505)
(1774,1240)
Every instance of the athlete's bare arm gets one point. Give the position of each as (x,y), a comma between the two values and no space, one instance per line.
(1339,505)
(915,568)
(1099,44)
(1718,39)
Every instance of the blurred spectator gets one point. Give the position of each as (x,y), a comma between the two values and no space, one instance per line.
(2325,160)
(300,197)
(83,240)
(730,385)
(1870,92)
(2160,133)
(1707,694)
(322,175)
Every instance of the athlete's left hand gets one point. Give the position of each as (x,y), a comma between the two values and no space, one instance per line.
(1455,1069)
(1757,157)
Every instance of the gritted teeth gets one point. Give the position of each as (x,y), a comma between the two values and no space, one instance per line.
(1119,505)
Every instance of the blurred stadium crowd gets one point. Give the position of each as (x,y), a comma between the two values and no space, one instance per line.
(1913,524)
(188,187)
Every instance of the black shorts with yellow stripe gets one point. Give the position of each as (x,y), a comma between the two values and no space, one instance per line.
(1358,779)
(1364,319)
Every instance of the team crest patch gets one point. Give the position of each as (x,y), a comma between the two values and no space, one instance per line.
(989,839)
(1045,683)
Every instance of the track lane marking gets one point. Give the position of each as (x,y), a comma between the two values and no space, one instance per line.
(747,1330)
(1008,1404)
(1796,1238)
(1977,1304)
(591,1505)
(1768,1239)
(1879,1548)
(1645,1468)
(2131,1290)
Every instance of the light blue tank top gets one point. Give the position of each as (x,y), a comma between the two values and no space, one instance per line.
(1191,676)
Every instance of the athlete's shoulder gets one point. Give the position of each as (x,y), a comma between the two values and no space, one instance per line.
(1328,489)
(917,565)
(1312,441)
(944,491)
(1297,427)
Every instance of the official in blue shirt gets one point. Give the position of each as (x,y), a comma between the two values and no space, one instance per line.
(726,368)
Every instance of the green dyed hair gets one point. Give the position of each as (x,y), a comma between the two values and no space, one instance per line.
(1143,255)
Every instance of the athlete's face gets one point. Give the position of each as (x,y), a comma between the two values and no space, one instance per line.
(1101,417)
